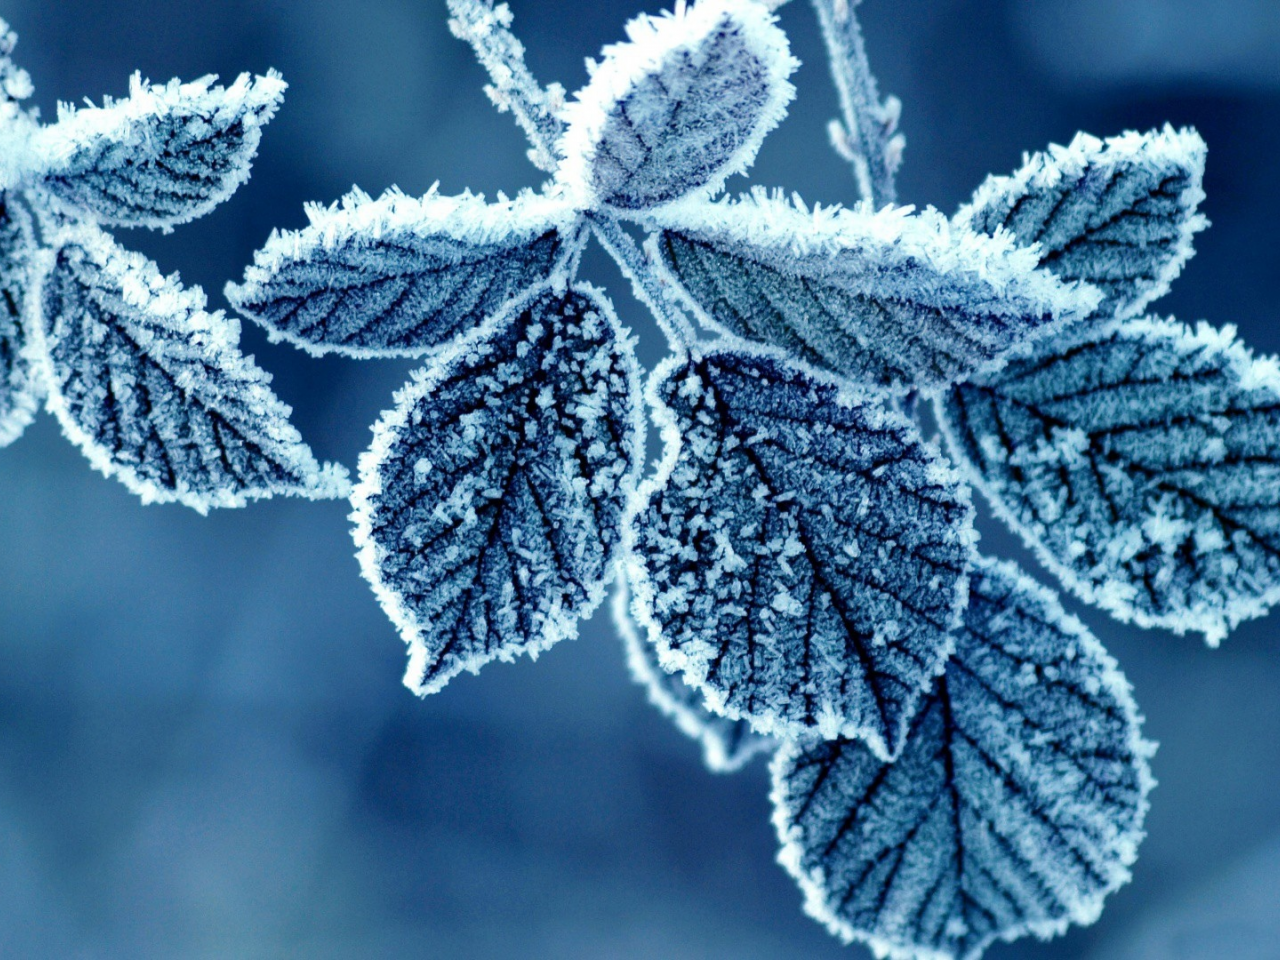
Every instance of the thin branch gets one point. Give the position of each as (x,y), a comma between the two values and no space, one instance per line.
(487,28)
(649,288)
(867,138)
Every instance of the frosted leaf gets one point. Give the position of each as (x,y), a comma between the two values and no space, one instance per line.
(489,507)
(162,156)
(1119,214)
(801,553)
(1142,461)
(678,109)
(888,299)
(15,83)
(1015,807)
(399,276)
(727,745)
(155,390)
(19,388)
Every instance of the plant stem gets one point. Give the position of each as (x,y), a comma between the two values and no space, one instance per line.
(486,27)
(867,137)
(650,289)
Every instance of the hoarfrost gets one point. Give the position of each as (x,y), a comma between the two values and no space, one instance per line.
(1119,214)
(1014,809)
(154,390)
(1141,460)
(162,156)
(739,549)
(400,276)
(20,390)
(727,745)
(888,299)
(677,109)
(488,512)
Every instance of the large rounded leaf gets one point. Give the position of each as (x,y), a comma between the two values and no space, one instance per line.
(1141,461)
(489,507)
(801,554)
(1015,807)
(677,109)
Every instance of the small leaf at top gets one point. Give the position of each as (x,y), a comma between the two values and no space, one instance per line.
(801,553)
(161,156)
(727,745)
(1015,807)
(1119,214)
(20,389)
(489,507)
(399,276)
(155,390)
(676,110)
(1141,461)
(888,299)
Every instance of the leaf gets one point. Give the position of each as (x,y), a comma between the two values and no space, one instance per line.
(1015,807)
(15,84)
(727,745)
(488,512)
(1119,214)
(887,299)
(1142,462)
(800,554)
(398,276)
(678,109)
(20,389)
(162,156)
(155,391)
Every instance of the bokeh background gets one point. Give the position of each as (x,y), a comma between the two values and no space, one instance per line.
(205,749)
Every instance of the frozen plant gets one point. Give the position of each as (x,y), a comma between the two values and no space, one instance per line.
(957,759)
(150,386)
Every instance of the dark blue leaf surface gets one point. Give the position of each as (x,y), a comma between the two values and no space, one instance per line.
(801,554)
(1119,214)
(1142,461)
(488,516)
(1015,807)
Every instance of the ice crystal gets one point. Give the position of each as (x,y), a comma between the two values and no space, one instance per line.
(886,299)
(1119,214)
(399,276)
(727,745)
(155,391)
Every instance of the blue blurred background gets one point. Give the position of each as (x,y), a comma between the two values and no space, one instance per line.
(205,749)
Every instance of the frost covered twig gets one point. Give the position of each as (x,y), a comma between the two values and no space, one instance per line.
(649,288)
(486,27)
(868,136)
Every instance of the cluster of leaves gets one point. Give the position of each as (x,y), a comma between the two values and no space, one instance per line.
(148,384)
(956,759)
